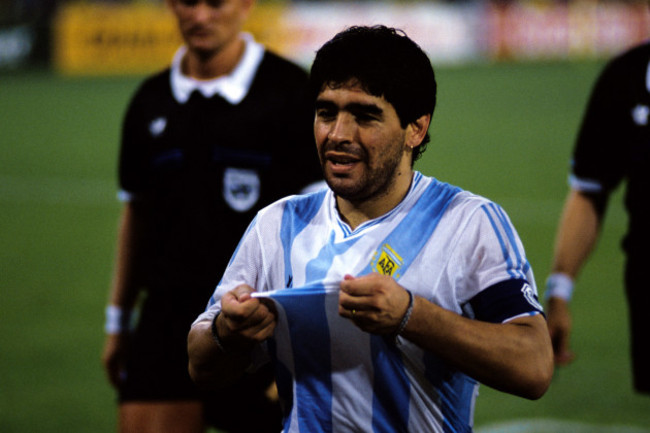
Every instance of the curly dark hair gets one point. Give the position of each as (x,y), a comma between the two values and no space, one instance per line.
(386,63)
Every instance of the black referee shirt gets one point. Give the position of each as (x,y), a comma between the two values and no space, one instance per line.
(201,170)
(613,143)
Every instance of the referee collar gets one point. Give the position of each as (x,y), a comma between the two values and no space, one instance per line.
(232,87)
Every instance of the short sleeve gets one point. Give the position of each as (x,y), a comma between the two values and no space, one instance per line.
(132,164)
(489,251)
(598,163)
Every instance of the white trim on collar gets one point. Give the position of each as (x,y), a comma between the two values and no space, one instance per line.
(232,87)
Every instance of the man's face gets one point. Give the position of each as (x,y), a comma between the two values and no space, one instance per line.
(208,25)
(360,142)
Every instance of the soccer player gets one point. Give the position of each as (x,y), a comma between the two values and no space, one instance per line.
(385,300)
(613,145)
(206,143)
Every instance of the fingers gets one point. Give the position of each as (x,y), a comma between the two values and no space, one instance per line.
(113,359)
(238,304)
(361,293)
(374,302)
(112,371)
(357,296)
(564,358)
(238,295)
(559,327)
(561,352)
(116,375)
(245,317)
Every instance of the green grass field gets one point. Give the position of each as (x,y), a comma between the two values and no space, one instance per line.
(504,131)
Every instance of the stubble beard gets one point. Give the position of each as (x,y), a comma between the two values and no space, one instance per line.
(373,184)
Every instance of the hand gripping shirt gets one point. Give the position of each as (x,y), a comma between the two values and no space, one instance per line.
(453,248)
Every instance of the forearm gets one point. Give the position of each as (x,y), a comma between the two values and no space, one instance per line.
(124,287)
(220,347)
(209,365)
(515,357)
(576,235)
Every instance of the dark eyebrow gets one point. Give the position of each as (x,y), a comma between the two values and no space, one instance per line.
(354,107)
(364,108)
(324,104)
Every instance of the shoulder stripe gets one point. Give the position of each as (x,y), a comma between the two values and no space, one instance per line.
(391,384)
(298,212)
(505,236)
(522,264)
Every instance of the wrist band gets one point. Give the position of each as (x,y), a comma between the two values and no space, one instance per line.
(215,335)
(117,320)
(407,315)
(559,285)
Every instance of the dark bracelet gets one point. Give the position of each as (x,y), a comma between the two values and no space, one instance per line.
(407,315)
(215,335)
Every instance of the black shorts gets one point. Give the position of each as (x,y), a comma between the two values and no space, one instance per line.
(157,370)
(638,296)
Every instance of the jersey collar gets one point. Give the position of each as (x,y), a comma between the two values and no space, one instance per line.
(233,87)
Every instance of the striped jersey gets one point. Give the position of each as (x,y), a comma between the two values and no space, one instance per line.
(447,245)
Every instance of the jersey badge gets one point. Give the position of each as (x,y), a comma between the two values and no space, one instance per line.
(530,296)
(640,114)
(157,126)
(386,261)
(241,188)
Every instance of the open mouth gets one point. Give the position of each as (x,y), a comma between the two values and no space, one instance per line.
(342,162)
(342,159)
(342,166)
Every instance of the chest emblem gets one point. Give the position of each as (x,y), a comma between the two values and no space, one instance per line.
(640,114)
(241,188)
(386,261)
(157,126)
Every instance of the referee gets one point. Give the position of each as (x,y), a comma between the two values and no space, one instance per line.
(225,130)
(613,146)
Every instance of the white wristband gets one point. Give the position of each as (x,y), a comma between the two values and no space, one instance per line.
(559,285)
(117,320)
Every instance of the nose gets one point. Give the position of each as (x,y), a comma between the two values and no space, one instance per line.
(202,11)
(342,129)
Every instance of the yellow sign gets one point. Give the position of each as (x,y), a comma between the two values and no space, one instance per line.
(93,39)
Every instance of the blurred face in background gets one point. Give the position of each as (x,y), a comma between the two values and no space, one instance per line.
(210,26)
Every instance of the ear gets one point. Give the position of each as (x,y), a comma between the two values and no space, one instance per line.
(416,130)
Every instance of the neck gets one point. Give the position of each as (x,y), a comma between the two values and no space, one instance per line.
(357,212)
(203,65)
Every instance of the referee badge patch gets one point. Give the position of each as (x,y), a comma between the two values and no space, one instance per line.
(157,126)
(241,188)
(640,114)
(387,262)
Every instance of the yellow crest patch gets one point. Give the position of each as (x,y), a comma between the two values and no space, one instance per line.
(387,262)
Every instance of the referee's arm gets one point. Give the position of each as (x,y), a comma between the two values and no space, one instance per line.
(576,237)
(577,233)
